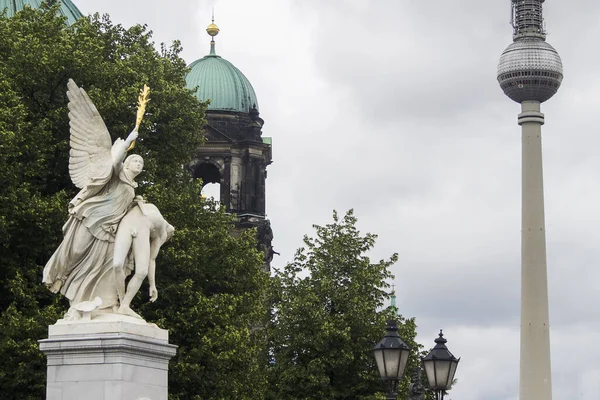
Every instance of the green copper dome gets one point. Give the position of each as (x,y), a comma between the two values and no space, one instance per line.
(222,83)
(67,8)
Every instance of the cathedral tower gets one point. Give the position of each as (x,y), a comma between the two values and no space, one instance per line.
(235,154)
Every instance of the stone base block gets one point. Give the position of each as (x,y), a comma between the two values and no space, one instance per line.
(115,358)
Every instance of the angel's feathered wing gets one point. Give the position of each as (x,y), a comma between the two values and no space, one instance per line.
(90,154)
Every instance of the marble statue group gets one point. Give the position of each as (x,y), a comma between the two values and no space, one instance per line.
(110,232)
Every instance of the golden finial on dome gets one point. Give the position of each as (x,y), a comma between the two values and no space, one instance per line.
(213,30)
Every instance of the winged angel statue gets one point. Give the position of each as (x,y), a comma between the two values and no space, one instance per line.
(83,267)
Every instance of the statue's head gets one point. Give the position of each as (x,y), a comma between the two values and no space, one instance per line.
(134,164)
(170,230)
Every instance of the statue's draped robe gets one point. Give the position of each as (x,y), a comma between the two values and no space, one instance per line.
(96,210)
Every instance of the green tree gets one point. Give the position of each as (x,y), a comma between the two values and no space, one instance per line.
(212,297)
(210,284)
(328,316)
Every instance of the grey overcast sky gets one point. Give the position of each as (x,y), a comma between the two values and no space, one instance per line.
(391,107)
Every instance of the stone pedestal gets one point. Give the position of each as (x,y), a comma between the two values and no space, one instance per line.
(111,357)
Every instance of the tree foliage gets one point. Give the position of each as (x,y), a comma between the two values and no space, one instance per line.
(211,290)
(329,315)
(328,302)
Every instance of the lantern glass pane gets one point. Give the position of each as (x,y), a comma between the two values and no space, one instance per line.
(452,372)
(392,362)
(429,366)
(442,371)
(380,362)
(403,360)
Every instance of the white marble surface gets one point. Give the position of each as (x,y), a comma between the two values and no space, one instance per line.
(112,357)
(103,323)
(110,232)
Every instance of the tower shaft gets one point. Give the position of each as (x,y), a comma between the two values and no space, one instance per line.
(535,369)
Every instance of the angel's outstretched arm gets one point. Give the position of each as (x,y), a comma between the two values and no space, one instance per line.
(119,150)
(132,137)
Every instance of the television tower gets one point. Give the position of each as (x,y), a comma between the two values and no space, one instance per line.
(530,72)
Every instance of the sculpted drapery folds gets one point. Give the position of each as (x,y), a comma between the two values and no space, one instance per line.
(82,266)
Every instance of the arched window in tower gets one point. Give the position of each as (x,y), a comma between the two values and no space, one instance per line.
(212,190)
(211,179)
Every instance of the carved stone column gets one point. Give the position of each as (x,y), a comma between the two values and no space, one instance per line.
(226,183)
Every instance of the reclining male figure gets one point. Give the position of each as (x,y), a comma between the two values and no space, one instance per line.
(143,230)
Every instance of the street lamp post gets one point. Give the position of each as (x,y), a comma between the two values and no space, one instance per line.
(391,355)
(440,367)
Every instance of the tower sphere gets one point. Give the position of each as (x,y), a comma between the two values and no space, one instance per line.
(530,69)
